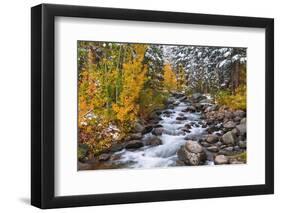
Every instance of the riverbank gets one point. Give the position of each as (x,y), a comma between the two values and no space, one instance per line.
(190,131)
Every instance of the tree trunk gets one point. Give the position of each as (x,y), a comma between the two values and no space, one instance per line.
(235,76)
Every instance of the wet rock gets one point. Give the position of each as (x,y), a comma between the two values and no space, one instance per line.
(196,125)
(184,129)
(189,109)
(205,144)
(183,118)
(176,103)
(158,126)
(212,138)
(229,125)
(153,141)
(104,157)
(213,128)
(116,147)
(228,138)
(241,129)
(221,159)
(213,149)
(134,144)
(167,113)
(236,148)
(191,153)
(188,126)
(147,129)
(204,125)
(157,131)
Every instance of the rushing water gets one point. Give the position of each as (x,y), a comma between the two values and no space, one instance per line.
(164,155)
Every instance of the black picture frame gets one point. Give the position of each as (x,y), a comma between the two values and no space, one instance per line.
(43,102)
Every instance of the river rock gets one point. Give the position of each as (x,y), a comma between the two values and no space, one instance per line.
(212,138)
(147,129)
(242,144)
(153,141)
(229,125)
(191,153)
(157,131)
(234,132)
(188,126)
(212,149)
(205,144)
(239,113)
(236,148)
(138,127)
(228,115)
(104,157)
(220,116)
(193,146)
(237,119)
(116,147)
(134,136)
(221,159)
(228,138)
(211,108)
(227,151)
(182,118)
(184,129)
(134,144)
(189,109)
(241,129)
(243,121)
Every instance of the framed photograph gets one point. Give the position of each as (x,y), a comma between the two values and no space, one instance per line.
(139,106)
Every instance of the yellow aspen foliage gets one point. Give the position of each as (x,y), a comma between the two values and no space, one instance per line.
(170,79)
(134,72)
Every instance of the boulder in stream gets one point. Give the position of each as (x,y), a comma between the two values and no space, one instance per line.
(192,153)
(157,131)
(152,141)
(134,144)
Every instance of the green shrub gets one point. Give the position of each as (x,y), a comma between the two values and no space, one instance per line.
(236,101)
